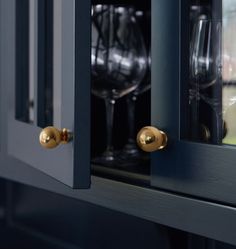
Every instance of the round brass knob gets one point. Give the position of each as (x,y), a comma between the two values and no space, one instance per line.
(50,137)
(150,139)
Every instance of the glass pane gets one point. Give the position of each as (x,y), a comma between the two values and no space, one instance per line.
(211,86)
(229,70)
(34,62)
(45,63)
(24,100)
(205,113)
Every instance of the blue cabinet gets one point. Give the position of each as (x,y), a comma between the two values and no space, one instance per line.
(49,85)
(200,164)
(46,76)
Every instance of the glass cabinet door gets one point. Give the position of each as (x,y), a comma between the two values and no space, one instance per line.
(49,106)
(194,97)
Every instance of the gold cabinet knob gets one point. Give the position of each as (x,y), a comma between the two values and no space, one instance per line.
(150,139)
(50,137)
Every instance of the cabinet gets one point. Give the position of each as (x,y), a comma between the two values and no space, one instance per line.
(189,185)
(50,73)
(194,168)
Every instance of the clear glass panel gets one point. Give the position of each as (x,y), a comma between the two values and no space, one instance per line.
(229,70)
(211,85)
(45,63)
(24,101)
(34,62)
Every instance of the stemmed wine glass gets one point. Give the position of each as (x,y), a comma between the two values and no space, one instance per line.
(205,59)
(131,154)
(205,73)
(131,150)
(119,61)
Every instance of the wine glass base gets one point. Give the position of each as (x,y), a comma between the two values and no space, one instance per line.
(108,158)
(120,160)
(131,152)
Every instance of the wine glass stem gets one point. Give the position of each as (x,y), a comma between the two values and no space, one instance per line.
(131,101)
(110,117)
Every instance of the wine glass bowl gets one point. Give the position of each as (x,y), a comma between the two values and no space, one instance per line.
(119,58)
(205,56)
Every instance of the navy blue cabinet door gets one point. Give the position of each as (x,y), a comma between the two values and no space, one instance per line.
(49,85)
(190,166)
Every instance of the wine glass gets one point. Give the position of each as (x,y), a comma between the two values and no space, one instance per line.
(205,57)
(119,61)
(205,75)
(131,152)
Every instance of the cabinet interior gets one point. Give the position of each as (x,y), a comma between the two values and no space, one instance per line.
(136,170)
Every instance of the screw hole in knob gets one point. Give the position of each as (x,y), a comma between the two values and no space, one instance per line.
(151,139)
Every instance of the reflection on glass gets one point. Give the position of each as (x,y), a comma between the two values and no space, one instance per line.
(229,70)
(32,58)
(205,80)
(212,72)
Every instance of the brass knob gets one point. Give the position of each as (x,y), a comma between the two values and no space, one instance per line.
(150,139)
(50,137)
